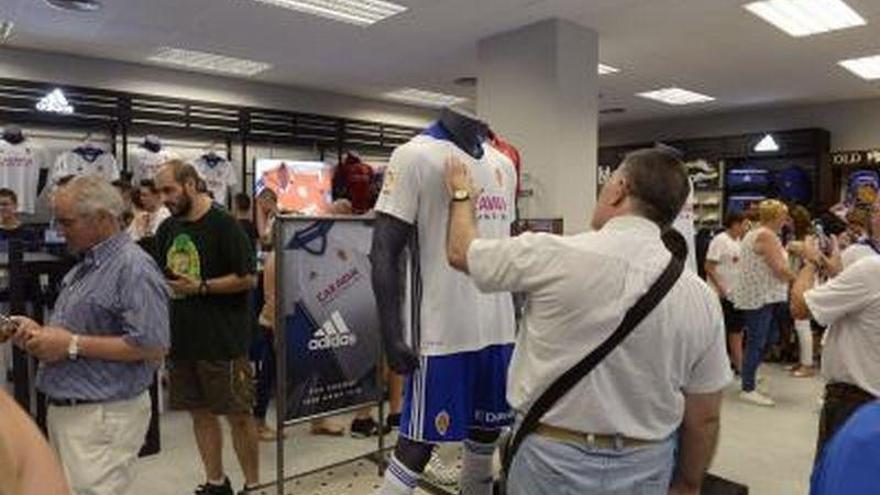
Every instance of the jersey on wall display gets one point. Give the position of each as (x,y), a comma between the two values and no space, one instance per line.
(218,174)
(330,321)
(301,186)
(86,160)
(20,166)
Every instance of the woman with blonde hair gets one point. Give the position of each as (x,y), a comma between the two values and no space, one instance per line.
(763,283)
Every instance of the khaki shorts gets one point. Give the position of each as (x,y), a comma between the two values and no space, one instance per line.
(221,386)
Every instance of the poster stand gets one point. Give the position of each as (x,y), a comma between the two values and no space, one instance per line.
(322,398)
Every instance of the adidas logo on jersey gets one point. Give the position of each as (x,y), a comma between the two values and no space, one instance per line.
(333,334)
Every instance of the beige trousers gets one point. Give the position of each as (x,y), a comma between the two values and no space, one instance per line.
(98,443)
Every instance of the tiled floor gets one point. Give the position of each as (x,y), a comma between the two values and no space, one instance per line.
(770,450)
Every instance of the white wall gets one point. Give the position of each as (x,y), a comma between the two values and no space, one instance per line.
(853,125)
(104,74)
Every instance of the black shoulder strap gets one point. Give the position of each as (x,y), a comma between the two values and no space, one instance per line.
(573,376)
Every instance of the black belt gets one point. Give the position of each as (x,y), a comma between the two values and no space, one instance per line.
(72,402)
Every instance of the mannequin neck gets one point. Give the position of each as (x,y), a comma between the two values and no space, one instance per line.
(466,132)
(151,146)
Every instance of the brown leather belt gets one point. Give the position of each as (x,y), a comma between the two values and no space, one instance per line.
(593,440)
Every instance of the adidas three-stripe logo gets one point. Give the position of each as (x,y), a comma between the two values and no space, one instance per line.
(333,334)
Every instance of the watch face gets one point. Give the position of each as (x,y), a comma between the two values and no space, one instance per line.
(460,194)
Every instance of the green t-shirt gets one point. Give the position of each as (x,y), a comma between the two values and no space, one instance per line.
(212,326)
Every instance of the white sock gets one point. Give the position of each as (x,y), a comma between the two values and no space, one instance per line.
(476,469)
(805,339)
(398,480)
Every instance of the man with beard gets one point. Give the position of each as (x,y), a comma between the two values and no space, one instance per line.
(209,263)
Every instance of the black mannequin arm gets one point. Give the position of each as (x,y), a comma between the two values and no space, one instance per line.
(390,237)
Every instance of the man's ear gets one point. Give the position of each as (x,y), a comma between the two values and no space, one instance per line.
(619,192)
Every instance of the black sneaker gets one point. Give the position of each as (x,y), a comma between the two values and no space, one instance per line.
(209,489)
(364,428)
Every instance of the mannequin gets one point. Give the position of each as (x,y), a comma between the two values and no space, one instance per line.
(12,134)
(458,322)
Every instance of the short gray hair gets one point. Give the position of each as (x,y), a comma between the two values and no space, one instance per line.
(93,194)
(658,183)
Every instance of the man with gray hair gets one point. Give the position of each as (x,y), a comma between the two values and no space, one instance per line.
(103,343)
(616,431)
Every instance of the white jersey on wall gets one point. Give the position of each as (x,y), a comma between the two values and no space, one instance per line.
(450,315)
(20,171)
(684,224)
(218,175)
(85,161)
(146,164)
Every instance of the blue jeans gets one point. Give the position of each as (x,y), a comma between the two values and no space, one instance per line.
(546,466)
(759,324)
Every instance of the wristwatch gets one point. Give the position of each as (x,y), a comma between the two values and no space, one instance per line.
(461,195)
(73,347)
(203,288)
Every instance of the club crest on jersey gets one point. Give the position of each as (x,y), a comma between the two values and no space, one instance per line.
(442,422)
(333,334)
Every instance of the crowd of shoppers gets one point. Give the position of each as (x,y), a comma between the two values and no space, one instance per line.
(646,417)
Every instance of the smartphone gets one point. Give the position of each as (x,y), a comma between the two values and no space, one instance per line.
(821,237)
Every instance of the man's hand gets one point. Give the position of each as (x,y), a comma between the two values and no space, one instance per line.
(49,344)
(401,357)
(458,177)
(184,285)
(25,329)
(811,252)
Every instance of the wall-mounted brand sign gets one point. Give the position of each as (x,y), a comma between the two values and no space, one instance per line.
(55,102)
(858,158)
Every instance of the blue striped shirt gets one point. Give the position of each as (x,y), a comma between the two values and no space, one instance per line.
(115,290)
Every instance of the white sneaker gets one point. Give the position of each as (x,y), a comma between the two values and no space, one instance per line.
(439,473)
(757,398)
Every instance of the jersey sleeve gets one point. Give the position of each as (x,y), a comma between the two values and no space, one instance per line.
(400,190)
(111,172)
(844,294)
(231,177)
(511,265)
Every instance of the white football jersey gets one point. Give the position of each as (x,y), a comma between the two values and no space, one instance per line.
(20,166)
(145,163)
(218,175)
(85,161)
(448,313)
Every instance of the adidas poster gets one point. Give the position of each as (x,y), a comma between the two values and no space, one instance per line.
(331,324)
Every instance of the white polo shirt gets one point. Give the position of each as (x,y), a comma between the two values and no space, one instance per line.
(849,304)
(579,288)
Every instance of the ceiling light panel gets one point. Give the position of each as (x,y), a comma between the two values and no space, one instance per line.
(358,12)
(427,98)
(607,69)
(210,62)
(676,96)
(865,67)
(806,17)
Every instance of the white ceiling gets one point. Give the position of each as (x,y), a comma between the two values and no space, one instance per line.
(711,46)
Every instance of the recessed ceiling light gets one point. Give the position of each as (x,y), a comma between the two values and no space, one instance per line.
(358,12)
(607,69)
(805,17)
(676,96)
(208,62)
(76,5)
(428,98)
(865,67)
